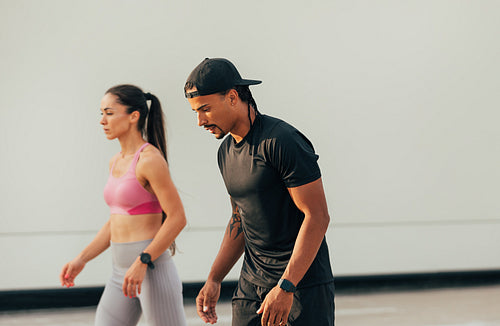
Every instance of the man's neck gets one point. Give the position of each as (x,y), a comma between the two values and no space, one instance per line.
(245,123)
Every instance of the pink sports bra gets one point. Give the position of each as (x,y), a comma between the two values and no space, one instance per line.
(126,196)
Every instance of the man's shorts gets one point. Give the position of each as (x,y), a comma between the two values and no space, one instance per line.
(311,305)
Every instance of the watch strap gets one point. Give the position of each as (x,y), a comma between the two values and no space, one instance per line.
(286,285)
(146,259)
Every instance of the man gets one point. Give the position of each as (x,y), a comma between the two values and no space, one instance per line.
(280,214)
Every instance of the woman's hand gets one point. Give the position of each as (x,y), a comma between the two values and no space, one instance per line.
(70,271)
(133,279)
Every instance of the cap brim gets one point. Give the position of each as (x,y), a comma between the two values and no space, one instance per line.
(241,82)
(245,82)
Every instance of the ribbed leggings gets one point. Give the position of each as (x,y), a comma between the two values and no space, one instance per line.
(161,294)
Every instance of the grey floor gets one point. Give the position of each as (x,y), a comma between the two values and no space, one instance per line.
(469,306)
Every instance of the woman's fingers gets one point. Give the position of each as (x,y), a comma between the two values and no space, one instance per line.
(66,277)
(62,275)
(131,288)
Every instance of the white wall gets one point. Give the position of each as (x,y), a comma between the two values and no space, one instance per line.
(400,99)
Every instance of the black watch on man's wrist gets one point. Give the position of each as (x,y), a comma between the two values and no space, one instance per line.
(146,259)
(286,285)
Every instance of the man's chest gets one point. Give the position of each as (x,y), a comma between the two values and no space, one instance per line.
(246,173)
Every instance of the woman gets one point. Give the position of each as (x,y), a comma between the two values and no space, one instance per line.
(146,217)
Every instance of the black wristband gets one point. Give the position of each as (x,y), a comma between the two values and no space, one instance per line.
(286,285)
(146,259)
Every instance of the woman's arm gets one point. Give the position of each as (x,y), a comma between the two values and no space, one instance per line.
(155,170)
(95,248)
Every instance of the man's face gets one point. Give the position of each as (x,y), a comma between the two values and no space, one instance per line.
(214,113)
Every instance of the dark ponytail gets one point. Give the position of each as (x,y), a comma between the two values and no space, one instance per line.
(155,129)
(151,122)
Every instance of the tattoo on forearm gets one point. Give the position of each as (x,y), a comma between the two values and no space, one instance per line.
(235,228)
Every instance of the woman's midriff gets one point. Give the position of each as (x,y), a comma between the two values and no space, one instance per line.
(128,228)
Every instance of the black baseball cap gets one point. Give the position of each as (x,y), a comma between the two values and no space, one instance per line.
(215,75)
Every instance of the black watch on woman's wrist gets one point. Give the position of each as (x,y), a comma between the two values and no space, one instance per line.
(146,259)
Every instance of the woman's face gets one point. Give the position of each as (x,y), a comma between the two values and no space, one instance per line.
(115,119)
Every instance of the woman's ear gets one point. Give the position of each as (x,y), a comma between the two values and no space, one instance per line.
(134,116)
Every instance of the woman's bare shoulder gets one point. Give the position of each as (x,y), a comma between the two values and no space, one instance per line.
(112,160)
(151,157)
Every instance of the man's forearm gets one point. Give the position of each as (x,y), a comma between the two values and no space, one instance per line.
(231,249)
(229,253)
(306,247)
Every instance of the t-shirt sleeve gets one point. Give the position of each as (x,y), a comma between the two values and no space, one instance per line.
(292,155)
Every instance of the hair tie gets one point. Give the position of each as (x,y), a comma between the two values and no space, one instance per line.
(148,96)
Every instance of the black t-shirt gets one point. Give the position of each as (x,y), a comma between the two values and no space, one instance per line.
(257,171)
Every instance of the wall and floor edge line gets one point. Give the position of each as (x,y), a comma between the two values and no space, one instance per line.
(89,296)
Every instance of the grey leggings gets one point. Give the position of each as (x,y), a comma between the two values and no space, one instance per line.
(161,294)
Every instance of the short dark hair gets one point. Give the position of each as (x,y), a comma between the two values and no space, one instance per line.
(244,94)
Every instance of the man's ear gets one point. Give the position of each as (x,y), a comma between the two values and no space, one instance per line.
(233,97)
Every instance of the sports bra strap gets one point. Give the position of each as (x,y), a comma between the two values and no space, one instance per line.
(136,157)
(113,166)
(134,161)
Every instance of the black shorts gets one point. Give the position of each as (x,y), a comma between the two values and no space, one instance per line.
(311,305)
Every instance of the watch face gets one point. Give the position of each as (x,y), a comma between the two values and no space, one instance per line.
(145,258)
(286,285)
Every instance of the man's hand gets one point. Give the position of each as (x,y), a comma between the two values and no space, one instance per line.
(276,307)
(206,301)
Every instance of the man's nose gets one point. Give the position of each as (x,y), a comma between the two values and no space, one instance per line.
(201,120)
